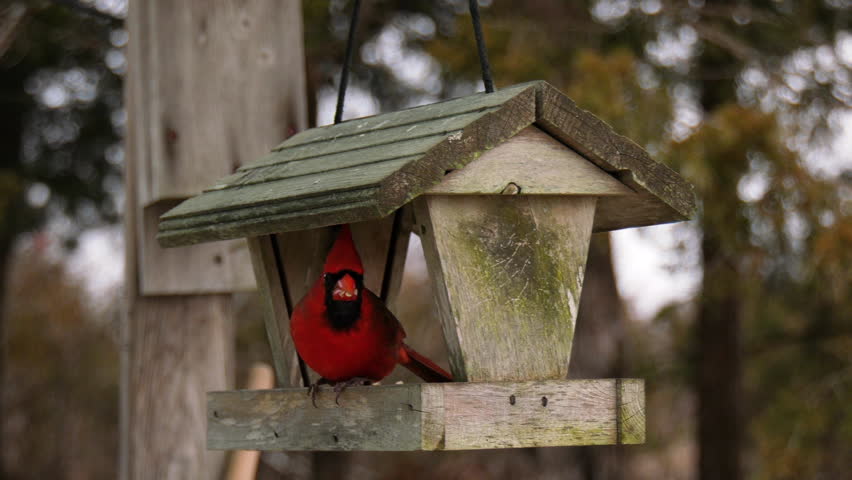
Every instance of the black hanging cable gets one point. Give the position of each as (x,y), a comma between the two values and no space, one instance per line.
(288,305)
(347,60)
(396,228)
(480,46)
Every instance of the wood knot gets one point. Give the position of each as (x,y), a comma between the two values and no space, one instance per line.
(543,401)
(170,139)
(171,135)
(511,399)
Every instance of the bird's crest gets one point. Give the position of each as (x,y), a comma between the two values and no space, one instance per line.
(343,255)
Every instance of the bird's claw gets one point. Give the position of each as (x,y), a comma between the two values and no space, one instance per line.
(339,387)
(313,390)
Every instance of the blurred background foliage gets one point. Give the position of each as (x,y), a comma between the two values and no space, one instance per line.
(749,378)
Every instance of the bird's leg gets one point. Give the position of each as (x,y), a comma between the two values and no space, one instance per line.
(313,389)
(339,387)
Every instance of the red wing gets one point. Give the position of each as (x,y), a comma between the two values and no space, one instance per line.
(386,320)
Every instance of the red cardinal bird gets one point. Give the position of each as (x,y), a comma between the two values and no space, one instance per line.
(345,333)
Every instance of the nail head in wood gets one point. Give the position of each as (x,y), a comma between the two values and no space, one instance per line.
(511,189)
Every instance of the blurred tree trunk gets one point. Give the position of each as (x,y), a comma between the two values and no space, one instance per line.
(5,254)
(717,346)
(718,371)
(11,197)
(6,246)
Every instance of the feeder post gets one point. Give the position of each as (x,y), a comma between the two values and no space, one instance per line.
(209,85)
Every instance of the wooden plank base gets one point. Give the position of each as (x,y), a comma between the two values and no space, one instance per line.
(434,416)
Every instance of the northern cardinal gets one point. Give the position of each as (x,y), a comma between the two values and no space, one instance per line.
(345,333)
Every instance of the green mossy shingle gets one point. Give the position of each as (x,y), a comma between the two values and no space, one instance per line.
(366,168)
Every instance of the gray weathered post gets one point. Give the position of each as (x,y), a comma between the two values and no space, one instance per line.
(210,85)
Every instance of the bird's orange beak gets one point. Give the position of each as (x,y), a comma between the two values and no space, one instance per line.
(345,289)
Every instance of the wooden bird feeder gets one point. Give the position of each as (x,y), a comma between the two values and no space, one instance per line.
(505,190)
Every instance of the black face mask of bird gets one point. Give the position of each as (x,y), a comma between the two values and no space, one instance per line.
(343,298)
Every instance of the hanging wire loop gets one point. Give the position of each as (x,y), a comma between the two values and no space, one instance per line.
(480,46)
(347,61)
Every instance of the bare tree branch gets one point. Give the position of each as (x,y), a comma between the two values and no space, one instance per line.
(741,50)
(87,10)
(12,19)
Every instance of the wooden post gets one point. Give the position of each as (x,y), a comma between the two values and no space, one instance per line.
(210,84)
(244,463)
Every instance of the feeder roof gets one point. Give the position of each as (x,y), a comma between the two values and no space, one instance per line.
(366,168)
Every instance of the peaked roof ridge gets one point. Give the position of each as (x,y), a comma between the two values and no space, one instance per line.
(404,117)
(368,167)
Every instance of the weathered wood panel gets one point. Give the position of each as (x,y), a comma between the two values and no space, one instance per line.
(277,162)
(306,187)
(240,53)
(276,315)
(408,117)
(215,267)
(534,163)
(181,347)
(507,272)
(665,196)
(215,93)
(544,414)
(448,416)
(299,178)
(301,214)
(632,411)
(378,418)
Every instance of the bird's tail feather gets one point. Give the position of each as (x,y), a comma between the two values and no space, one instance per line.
(421,366)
